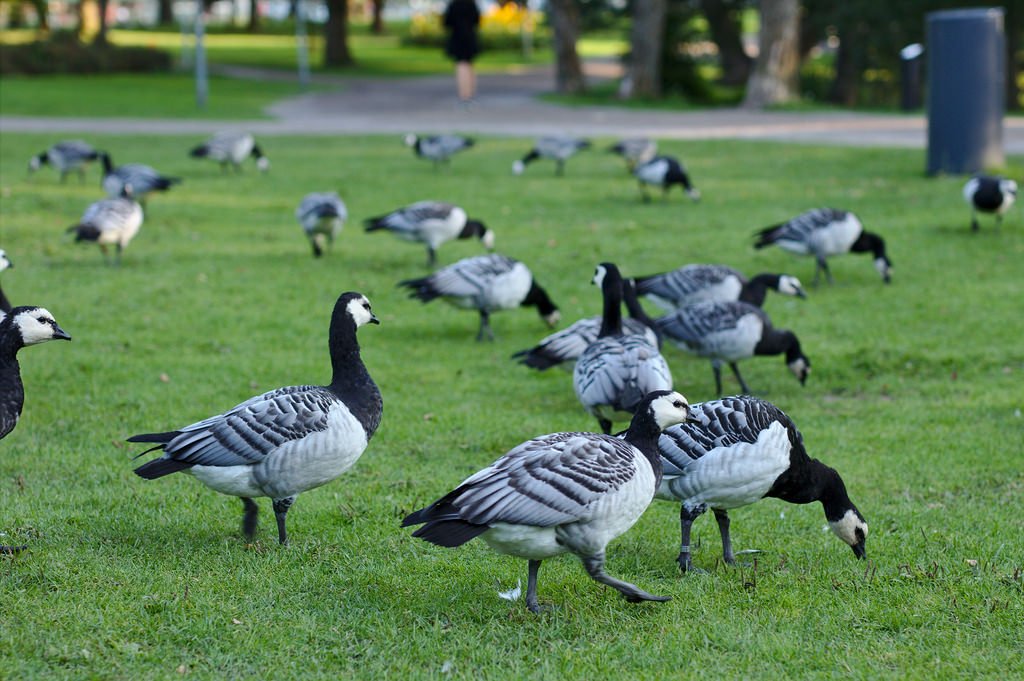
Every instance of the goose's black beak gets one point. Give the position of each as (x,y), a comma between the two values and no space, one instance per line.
(373,319)
(60,334)
(859,550)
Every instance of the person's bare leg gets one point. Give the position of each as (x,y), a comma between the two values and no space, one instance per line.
(465,80)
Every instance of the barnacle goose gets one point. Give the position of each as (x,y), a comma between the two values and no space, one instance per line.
(432,223)
(739,450)
(989,195)
(5,264)
(109,221)
(233,148)
(285,441)
(438,148)
(712,283)
(616,371)
(730,332)
(664,171)
(823,232)
(71,155)
(486,283)
(635,150)
(22,326)
(133,179)
(322,216)
(562,348)
(558,493)
(558,148)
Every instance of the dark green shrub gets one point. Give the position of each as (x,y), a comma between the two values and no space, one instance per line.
(64,53)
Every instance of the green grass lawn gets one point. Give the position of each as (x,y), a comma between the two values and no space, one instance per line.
(914,397)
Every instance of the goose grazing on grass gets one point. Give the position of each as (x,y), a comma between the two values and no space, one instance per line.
(824,232)
(285,441)
(558,148)
(559,493)
(133,179)
(438,148)
(564,347)
(486,283)
(635,151)
(5,264)
(616,371)
(232,148)
(737,451)
(432,223)
(322,216)
(664,171)
(731,332)
(65,157)
(109,221)
(989,195)
(712,284)
(22,326)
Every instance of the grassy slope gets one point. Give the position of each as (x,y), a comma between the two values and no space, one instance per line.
(915,397)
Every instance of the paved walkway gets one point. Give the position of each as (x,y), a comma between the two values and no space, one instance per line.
(508,105)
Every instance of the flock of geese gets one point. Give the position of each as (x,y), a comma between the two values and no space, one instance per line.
(567,492)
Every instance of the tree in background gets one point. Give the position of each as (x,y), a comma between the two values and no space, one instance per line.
(723,17)
(564,16)
(646,38)
(336,51)
(774,79)
(377,25)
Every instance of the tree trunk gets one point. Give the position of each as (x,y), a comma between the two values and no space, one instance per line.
(646,38)
(336,52)
(723,18)
(254,16)
(775,76)
(565,24)
(165,12)
(101,34)
(377,26)
(846,83)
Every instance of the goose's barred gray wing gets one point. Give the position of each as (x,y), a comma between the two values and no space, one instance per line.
(685,281)
(800,228)
(619,371)
(466,278)
(694,323)
(244,435)
(719,423)
(318,205)
(547,481)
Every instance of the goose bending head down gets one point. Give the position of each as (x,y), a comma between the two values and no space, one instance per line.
(559,493)
(285,441)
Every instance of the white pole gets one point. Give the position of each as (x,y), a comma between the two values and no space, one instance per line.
(202,85)
(301,46)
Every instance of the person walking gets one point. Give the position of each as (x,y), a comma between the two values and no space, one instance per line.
(461,20)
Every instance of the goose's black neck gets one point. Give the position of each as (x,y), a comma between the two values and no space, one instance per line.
(108,166)
(538,297)
(611,291)
(636,311)
(778,341)
(5,305)
(10,341)
(755,290)
(643,434)
(867,241)
(350,381)
(473,228)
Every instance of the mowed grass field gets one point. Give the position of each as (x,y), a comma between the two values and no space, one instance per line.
(915,397)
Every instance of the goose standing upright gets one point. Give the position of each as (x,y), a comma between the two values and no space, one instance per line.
(664,171)
(989,194)
(5,264)
(712,284)
(824,232)
(558,493)
(731,332)
(486,283)
(564,347)
(65,157)
(109,221)
(233,148)
(133,179)
(432,223)
(322,216)
(559,148)
(21,327)
(616,371)
(635,150)
(438,148)
(285,441)
(737,451)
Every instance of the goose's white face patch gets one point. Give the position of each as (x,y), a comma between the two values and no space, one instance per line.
(552,319)
(800,368)
(4,262)
(790,286)
(518,167)
(34,163)
(599,275)
(846,528)
(410,140)
(263,164)
(359,310)
(668,410)
(488,240)
(36,326)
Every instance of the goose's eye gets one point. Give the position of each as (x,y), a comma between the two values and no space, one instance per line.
(678,405)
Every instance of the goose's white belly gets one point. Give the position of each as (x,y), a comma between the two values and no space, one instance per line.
(295,466)
(732,476)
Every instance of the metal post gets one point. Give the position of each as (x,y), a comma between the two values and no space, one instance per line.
(301,45)
(202,85)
